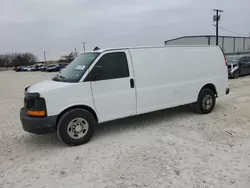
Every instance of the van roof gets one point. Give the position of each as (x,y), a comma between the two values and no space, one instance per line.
(143,47)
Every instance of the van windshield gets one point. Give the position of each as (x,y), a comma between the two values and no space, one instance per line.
(76,69)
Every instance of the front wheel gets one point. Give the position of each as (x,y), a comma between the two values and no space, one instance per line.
(76,127)
(206,101)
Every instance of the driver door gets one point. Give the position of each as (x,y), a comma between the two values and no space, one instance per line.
(112,83)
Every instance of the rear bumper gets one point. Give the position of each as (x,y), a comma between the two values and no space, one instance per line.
(43,125)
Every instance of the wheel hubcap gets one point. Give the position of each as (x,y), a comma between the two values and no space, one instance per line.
(207,102)
(77,128)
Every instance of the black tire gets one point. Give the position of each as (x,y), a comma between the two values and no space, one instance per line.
(236,74)
(63,125)
(201,105)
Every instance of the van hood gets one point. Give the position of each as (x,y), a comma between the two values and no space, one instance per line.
(46,85)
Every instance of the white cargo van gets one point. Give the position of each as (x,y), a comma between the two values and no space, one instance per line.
(105,85)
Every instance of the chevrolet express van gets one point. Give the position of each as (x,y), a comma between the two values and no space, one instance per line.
(110,84)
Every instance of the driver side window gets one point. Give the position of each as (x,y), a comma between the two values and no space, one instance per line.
(110,66)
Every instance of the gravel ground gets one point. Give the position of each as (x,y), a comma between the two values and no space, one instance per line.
(169,148)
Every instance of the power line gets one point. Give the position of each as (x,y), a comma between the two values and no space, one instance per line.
(233,32)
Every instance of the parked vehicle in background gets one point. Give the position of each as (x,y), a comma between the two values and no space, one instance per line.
(51,68)
(33,68)
(19,68)
(61,67)
(238,66)
(54,68)
(26,68)
(43,68)
(29,68)
(39,66)
(105,85)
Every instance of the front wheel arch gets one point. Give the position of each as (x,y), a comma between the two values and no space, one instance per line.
(84,107)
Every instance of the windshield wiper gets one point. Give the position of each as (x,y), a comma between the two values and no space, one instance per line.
(59,78)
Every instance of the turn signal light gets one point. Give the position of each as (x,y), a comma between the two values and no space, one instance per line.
(36,113)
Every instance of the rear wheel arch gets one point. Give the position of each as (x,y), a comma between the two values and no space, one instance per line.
(209,86)
(84,107)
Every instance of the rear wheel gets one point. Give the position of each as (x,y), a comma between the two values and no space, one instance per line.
(76,127)
(206,101)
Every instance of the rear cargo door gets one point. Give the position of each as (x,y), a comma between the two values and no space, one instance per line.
(113,86)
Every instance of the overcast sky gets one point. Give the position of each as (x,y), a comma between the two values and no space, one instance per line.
(58,26)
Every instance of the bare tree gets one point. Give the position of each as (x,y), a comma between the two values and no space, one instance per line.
(17,59)
(67,58)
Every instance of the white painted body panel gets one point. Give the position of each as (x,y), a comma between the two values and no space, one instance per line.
(114,99)
(60,95)
(164,77)
(173,76)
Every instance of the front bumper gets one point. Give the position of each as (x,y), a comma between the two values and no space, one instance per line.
(38,125)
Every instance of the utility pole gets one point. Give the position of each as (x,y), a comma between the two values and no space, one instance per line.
(83,46)
(44,53)
(75,53)
(216,19)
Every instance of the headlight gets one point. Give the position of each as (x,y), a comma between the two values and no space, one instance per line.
(35,105)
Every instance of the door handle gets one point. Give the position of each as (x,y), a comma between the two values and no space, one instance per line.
(132,83)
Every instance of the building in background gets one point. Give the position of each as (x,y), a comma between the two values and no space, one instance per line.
(229,44)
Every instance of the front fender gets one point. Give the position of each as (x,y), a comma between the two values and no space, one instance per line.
(73,94)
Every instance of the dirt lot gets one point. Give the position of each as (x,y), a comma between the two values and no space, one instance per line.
(170,148)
